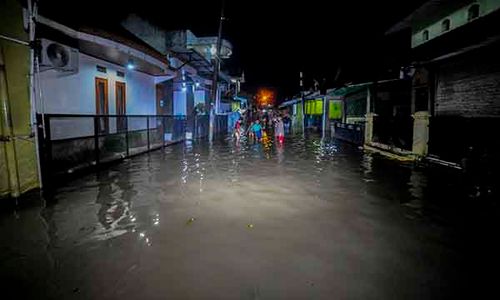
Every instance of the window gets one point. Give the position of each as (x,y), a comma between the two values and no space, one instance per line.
(473,12)
(425,35)
(101,103)
(101,69)
(120,74)
(121,105)
(445,26)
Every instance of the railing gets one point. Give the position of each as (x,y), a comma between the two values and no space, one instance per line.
(73,142)
(353,133)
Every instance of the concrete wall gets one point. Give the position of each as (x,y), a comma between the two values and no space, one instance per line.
(457,18)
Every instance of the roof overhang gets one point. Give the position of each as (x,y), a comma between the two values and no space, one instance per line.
(112,51)
(289,102)
(189,56)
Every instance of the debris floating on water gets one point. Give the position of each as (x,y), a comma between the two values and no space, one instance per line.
(190,221)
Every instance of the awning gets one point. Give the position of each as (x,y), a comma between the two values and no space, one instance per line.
(353,88)
(203,67)
(195,59)
(289,102)
(343,91)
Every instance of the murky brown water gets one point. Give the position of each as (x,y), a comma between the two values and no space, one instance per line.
(309,220)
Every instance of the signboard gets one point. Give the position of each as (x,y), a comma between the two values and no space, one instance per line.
(335,109)
(314,107)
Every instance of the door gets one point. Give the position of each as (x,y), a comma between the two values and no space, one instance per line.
(121,106)
(164,92)
(101,103)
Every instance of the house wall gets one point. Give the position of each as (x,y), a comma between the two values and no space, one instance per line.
(180,99)
(355,107)
(75,94)
(199,97)
(457,18)
(467,109)
(469,86)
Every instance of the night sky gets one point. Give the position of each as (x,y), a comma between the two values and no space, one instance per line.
(272,41)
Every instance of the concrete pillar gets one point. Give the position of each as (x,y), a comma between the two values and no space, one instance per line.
(325,115)
(190,112)
(420,133)
(369,127)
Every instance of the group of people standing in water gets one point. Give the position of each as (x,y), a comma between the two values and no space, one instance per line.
(258,129)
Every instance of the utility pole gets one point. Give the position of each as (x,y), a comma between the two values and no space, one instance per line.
(216,74)
(303,102)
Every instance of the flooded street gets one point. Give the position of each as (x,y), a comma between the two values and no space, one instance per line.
(312,219)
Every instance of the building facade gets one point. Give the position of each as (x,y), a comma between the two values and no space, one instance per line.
(455,79)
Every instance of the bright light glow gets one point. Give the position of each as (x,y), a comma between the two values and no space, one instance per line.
(265,97)
(130,64)
(184,89)
(197,84)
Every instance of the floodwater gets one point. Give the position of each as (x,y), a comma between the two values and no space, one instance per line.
(311,219)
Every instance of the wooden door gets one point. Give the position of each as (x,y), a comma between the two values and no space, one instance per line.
(121,105)
(101,103)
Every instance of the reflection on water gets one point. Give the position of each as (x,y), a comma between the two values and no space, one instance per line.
(178,222)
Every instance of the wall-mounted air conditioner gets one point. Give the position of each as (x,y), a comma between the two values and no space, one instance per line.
(59,57)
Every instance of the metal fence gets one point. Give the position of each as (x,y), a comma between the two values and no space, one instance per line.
(73,142)
(353,133)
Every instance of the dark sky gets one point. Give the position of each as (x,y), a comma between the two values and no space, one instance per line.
(273,40)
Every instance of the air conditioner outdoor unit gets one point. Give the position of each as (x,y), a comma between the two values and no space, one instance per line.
(56,56)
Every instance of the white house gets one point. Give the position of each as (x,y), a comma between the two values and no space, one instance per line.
(93,72)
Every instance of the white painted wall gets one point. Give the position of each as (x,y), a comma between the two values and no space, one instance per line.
(180,99)
(75,94)
(199,97)
(457,19)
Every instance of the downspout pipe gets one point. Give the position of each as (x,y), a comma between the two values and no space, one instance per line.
(32,15)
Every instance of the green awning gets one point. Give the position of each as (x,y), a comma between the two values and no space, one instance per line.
(343,91)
